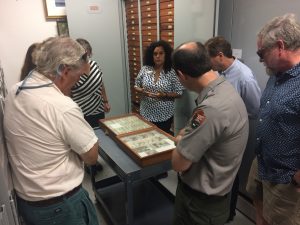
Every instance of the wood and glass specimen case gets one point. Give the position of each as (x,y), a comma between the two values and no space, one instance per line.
(140,139)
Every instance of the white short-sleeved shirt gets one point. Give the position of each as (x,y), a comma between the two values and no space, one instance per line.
(153,109)
(45,133)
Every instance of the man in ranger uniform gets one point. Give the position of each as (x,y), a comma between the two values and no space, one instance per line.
(211,146)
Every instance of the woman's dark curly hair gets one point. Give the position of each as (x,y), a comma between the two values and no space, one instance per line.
(148,58)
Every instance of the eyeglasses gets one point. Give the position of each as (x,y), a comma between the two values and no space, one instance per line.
(261,52)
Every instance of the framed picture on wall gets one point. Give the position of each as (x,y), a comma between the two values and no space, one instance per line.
(55,9)
(62,28)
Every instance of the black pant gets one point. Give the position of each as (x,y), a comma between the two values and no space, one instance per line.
(93,120)
(165,125)
(234,197)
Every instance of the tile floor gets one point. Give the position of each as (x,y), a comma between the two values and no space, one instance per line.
(169,183)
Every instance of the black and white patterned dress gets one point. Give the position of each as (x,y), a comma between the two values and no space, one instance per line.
(87,92)
(152,109)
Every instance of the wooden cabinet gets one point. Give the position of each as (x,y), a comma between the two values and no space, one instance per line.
(150,31)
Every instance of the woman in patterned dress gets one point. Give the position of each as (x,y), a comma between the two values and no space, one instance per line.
(158,86)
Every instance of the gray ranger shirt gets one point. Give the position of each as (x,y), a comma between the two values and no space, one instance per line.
(215,139)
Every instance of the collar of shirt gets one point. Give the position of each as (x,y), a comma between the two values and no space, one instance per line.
(39,79)
(228,70)
(293,72)
(204,93)
(152,70)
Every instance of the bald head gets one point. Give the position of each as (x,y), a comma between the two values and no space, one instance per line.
(188,46)
(192,59)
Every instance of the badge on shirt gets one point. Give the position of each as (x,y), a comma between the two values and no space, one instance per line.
(198,118)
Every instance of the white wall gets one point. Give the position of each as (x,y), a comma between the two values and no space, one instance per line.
(194,21)
(22,22)
(105,32)
(241,20)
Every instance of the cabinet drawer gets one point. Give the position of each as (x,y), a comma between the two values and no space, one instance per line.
(133,32)
(148,8)
(133,21)
(134,69)
(169,1)
(130,11)
(149,27)
(168,39)
(167,33)
(149,38)
(148,21)
(134,43)
(133,27)
(132,16)
(133,37)
(166,26)
(134,59)
(166,5)
(131,4)
(167,19)
(146,44)
(166,12)
(133,49)
(134,54)
(133,74)
(149,32)
(151,15)
(148,2)
(135,65)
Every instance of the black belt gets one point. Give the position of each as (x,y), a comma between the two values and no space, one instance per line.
(198,193)
(52,201)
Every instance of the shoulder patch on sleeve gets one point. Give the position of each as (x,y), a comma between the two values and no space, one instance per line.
(198,118)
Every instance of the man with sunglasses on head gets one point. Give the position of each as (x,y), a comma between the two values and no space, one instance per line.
(275,175)
(244,82)
(48,138)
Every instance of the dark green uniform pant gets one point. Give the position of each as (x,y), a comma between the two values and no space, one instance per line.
(195,208)
(76,210)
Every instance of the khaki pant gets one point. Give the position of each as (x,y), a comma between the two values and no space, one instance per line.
(281,202)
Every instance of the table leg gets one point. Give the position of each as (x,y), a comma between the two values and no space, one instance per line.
(129,202)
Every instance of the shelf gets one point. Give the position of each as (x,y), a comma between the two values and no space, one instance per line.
(152,203)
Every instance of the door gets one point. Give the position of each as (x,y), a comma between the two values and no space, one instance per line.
(101,23)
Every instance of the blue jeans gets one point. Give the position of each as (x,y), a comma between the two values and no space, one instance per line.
(76,210)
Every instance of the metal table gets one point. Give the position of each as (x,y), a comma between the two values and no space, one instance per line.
(130,185)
